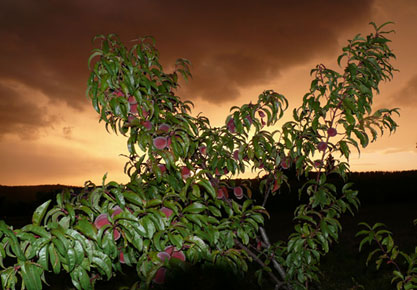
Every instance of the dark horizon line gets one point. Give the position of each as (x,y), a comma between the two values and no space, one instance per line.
(352,172)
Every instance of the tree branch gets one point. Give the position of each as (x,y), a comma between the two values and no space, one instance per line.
(278,283)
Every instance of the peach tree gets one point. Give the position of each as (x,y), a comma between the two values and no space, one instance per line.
(182,206)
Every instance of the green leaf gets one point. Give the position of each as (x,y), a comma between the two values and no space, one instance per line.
(54,259)
(31,275)
(14,243)
(195,207)
(207,185)
(39,213)
(85,227)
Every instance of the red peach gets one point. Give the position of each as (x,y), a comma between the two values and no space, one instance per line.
(118,93)
(238,192)
(162,167)
(164,127)
(160,276)
(121,257)
(236,155)
(116,210)
(178,255)
(101,221)
(166,211)
(147,125)
(220,193)
(134,108)
(322,146)
(285,163)
(116,235)
(185,172)
(132,100)
(160,142)
(276,186)
(203,150)
(169,250)
(163,256)
(331,132)
(231,125)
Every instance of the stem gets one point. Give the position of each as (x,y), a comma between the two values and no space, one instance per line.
(278,283)
(277,266)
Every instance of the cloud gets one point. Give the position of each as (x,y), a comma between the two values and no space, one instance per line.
(20,115)
(67,131)
(232,44)
(405,97)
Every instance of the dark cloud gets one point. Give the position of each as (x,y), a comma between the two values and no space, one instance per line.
(67,131)
(233,45)
(20,115)
(406,97)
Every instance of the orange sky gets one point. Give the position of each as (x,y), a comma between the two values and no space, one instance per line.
(49,133)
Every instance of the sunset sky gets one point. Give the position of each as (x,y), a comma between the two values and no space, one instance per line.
(49,132)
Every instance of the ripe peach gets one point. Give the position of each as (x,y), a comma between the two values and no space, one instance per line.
(164,127)
(185,172)
(132,100)
(236,155)
(134,108)
(238,192)
(322,146)
(178,255)
(116,210)
(231,126)
(121,257)
(162,167)
(331,132)
(147,125)
(160,142)
(163,256)
(101,221)
(203,150)
(160,276)
(285,163)
(166,211)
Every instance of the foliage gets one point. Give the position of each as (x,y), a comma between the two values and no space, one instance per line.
(181,206)
(390,254)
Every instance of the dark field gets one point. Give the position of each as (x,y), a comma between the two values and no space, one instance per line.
(390,198)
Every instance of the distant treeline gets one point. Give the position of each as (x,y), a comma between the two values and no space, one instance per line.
(374,188)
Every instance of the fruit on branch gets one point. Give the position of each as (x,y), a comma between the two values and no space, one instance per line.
(236,155)
(133,108)
(185,172)
(164,127)
(160,142)
(203,150)
(174,253)
(162,167)
(103,220)
(132,100)
(163,256)
(231,125)
(147,125)
(322,146)
(285,163)
(238,192)
(331,132)
(160,276)
(166,211)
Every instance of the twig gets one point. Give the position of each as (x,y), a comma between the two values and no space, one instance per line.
(278,283)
